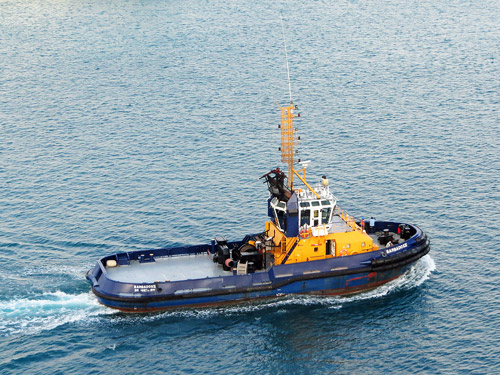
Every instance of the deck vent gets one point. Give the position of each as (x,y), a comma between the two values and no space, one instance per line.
(241,269)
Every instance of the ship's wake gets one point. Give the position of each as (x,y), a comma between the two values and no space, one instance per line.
(47,311)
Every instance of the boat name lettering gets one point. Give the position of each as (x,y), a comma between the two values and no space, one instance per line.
(397,248)
(145,288)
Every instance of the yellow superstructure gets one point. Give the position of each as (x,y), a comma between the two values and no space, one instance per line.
(324,231)
(317,244)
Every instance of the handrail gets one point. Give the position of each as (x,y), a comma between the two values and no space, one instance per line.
(349,220)
(290,241)
(101,266)
(305,183)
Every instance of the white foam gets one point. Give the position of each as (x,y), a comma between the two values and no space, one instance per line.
(50,310)
(47,311)
(412,278)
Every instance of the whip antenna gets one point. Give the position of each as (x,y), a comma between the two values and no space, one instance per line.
(286,58)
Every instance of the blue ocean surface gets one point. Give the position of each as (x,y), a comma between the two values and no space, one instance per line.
(129,125)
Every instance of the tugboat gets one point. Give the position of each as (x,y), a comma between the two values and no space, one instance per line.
(309,246)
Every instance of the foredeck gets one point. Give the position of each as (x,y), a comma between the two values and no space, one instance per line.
(374,236)
(185,267)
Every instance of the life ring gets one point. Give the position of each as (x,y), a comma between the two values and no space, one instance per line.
(304,233)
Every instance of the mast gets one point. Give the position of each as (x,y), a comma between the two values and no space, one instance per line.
(287,140)
(287,137)
(286,58)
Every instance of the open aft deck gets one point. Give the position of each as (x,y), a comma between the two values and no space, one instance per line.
(175,268)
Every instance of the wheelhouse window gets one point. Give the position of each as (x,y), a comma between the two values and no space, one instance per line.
(281,219)
(315,212)
(326,211)
(305,217)
(325,215)
(279,209)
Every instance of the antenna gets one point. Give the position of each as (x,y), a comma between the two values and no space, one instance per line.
(288,139)
(286,57)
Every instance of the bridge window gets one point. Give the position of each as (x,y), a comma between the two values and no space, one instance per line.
(325,213)
(305,217)
(281,219)
(316,218)
(278,209)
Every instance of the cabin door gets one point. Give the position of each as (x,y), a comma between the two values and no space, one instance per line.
(330,247)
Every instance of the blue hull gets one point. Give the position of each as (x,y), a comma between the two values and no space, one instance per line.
(334,276)
(339,285)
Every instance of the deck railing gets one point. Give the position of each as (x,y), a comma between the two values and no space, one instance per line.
(350,221)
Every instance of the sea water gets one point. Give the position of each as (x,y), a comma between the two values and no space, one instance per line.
(128,125)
